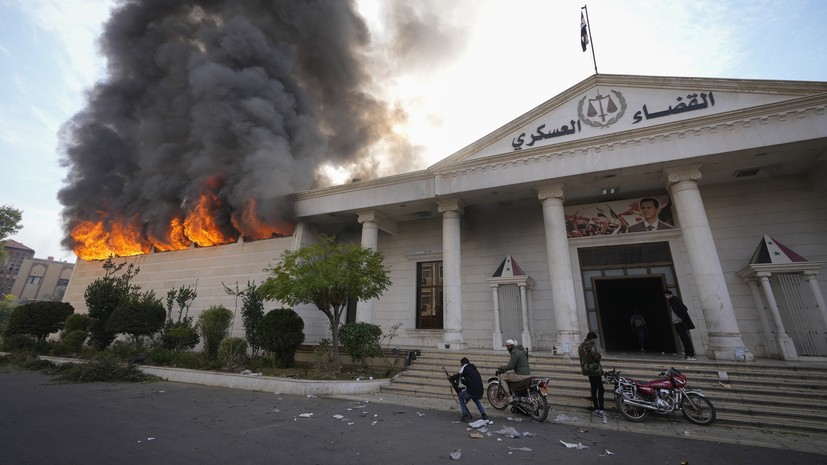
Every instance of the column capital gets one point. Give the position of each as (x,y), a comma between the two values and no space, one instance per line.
(372,216)
(682,173)
(451,205)
(553,191)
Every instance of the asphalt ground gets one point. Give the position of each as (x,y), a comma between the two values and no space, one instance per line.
(175,423)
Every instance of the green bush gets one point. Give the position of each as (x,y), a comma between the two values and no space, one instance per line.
(361,341)
(213,326)
(159,356)
(72,342)
(233,352)
(324,360)
(281,331)
(137,315)
(17,342)
(76,321)
(106,367)
(179,336)
(39,319)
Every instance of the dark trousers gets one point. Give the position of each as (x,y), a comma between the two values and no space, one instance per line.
(683,333)
(596,383)
(641,336)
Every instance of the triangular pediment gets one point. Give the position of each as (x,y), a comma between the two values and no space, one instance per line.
(612,104)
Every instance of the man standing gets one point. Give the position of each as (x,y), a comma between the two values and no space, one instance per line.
(639,327)
(518,363)
(471,379)
(649,210)
(590,366)
(682,322)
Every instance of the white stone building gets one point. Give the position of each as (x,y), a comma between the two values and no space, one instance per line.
(529,233)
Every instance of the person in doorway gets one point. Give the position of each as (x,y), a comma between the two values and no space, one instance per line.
(682,323)
(649,210)
(517,368)
(590,366)
(639,327)
(470,377)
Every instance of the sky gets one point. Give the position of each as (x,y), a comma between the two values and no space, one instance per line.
(492,61)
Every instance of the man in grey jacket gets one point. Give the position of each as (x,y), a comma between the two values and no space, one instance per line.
(517,368)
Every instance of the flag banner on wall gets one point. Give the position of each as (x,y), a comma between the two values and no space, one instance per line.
(584,33)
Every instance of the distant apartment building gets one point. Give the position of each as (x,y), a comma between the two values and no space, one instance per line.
(41,279)
(15,254)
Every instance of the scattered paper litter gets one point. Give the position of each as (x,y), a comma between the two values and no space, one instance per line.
(311,396)
(305,415)
(420,414)
(608,452)
(455,455)
(524,449)
(509,431)
(150,439)
(476,435)
(478,423)
(564,417)
(573,446)
(529,435)
(338,417)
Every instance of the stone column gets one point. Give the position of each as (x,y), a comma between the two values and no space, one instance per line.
(451,211)
(724,335)
(498,333)
(370,240)
(559,263)
(785,342)
(770,341)
(526,335)
(812,278)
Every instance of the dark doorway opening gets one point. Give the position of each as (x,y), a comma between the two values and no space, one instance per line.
(619,298)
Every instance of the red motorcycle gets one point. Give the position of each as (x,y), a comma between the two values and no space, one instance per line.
(635,399)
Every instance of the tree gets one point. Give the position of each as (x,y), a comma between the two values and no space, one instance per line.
(10,219)
(6,306)
(252,312)
(281,331)
(327,274)
(104,295)
(137,315)
(179,334)
(39,319)
(213,326)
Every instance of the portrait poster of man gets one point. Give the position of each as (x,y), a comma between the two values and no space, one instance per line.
(637,215)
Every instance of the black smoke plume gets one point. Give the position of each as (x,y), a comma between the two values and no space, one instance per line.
(244,98)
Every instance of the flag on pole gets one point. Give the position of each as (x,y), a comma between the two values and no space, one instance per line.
(584,34)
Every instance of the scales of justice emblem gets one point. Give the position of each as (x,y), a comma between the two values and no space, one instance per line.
(602,110)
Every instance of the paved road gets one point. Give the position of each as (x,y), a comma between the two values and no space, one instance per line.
(172,423)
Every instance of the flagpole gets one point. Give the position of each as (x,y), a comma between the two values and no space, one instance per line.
(591,37)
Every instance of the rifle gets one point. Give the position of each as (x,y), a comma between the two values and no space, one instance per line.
(456,387)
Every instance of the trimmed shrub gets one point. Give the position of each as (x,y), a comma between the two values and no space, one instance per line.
(179,336)
(232,352)
(39,319)
(213,326)
(72,342)
(281,331)
(17,342)
(76,321)
(137,315)
(361,341)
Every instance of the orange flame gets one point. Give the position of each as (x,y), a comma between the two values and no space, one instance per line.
(94,242)
(114,236)
(248,223)
(200,225)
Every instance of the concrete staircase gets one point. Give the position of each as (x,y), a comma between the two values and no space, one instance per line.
(766,394)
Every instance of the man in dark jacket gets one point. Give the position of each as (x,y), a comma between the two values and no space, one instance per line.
(471,379)
(682,322)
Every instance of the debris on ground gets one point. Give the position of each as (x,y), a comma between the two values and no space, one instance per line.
(508,431)
(564,417)
(455,455)
(569,445)
(305,415)
(476,435)
(523,449)
(607,453)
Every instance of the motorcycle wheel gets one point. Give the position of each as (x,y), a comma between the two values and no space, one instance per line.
(630,412)
(539,405)
(698,409)
(497,396)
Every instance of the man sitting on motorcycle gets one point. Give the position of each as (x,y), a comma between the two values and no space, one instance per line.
(518,363)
